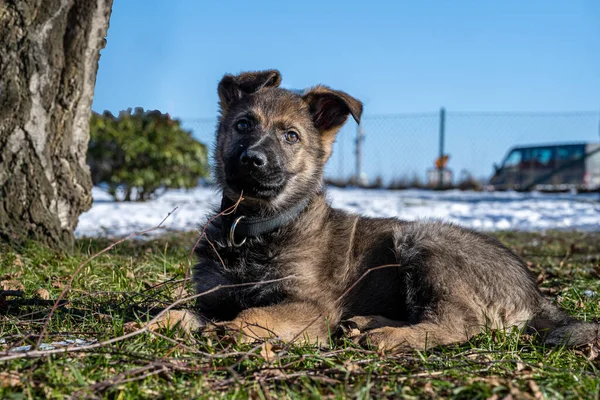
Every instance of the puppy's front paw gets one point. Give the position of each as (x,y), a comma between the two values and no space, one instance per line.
(384,340)
(227,332)
(362,324)
(186,322)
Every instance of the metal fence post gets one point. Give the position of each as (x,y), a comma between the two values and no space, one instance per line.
(441,163)
(360,136)
(599,125)
(599,138)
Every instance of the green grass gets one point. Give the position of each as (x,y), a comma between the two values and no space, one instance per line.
(124,286)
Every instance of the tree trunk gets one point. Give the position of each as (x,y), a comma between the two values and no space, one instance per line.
(49,51)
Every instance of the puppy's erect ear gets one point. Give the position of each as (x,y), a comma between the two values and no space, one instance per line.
(233,87)
(330,109)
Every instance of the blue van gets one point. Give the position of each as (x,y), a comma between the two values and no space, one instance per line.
(555,167)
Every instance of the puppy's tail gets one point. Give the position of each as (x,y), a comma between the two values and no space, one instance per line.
(560,329)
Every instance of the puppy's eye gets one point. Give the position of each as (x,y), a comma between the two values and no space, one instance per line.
(242,125)
(291,137)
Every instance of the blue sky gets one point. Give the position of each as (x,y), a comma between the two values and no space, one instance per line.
(396,56)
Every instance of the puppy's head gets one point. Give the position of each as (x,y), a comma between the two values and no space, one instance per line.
(272,143)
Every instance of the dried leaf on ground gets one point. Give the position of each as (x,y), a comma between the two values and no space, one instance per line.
(58,284)
(535,389)
(10,379)
(269,350)
(266,351)
(11,285)
(18,262)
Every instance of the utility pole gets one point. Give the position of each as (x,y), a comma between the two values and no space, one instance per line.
(441,163)
(360,137)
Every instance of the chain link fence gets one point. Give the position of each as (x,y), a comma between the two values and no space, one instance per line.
(398,150)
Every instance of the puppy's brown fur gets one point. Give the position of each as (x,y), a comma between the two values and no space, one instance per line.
(448,283)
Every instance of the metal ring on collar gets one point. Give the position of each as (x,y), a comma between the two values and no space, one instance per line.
(232,233)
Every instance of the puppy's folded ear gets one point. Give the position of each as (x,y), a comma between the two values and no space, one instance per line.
(233,87)
(330,109)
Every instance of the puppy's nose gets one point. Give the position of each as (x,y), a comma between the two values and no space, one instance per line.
(253,159)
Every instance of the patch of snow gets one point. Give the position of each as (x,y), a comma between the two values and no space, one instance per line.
(109,218)
(55,345)
(485,211)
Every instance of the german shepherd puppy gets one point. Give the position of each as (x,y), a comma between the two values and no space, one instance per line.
(288,265)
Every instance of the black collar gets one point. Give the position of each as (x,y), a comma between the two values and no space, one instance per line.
(237,227)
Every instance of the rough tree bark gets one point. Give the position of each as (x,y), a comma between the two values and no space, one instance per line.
(49,51)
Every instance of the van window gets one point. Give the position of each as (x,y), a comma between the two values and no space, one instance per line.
(513,159)
(542,157)
(569,153)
